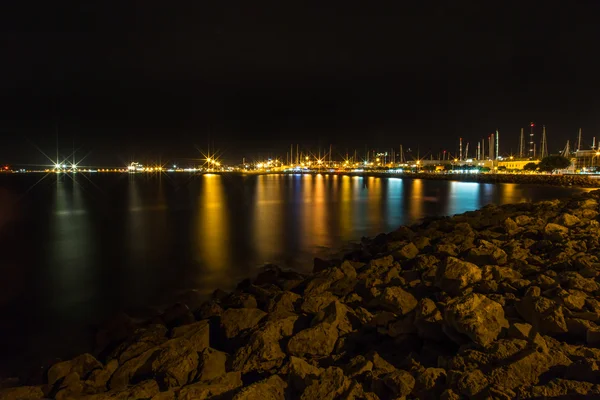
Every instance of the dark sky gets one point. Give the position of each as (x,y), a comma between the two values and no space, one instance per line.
(152,79)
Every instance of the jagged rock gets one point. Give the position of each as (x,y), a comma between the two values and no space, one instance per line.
(220,386)
(197,333)
(561,389)
(211,364)
(332,384)
(430,383)
(486,254)
(263,351)
(447,249)
(397,300)
(380,365)
(83,365)
(283,305)
(239,300)
(142,340)
(383,262)
(555,232)
(544,314)
(428,320)
(338,315)
(455,275)
(573,280)
(22,393)
(299,373)
(400,382)
(359,365)
(314,304)
(322,281)
(143,390)
(472,383)
(568,220)
(208,310)
(98,378)
(476,316)
(173,363)
(407,252)
(272,388)
(236,320)
(316,341)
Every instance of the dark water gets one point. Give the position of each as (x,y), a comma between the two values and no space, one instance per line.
(73,251)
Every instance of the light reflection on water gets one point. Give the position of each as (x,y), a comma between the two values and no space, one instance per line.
(81,250)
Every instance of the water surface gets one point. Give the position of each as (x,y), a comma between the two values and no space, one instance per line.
(76,249)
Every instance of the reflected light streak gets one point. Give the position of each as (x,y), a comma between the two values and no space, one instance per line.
(416,200)
(212,234)
(268,218)
(463,196)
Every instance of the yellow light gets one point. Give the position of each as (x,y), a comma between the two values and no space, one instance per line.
(456,159)
(306,157)
(377,159)
(217,163)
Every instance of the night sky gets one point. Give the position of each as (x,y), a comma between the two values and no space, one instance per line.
(152,79)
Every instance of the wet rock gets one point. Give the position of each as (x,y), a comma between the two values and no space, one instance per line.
(234,320)
(477,317)
(322,281)
(83,365)
(397,300)
(455,275)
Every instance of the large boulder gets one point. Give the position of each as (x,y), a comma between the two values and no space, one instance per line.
(236,320)
(477,317)
(544,314)
(263,350)
(397,300)
(142,340)
(299,373)
(455,275)
(211,364)
(316,341)
(197,333)
(487,254)
(83,365)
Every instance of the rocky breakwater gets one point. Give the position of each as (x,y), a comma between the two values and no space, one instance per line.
(498,303)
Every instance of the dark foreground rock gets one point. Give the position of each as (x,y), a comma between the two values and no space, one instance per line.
(498,303)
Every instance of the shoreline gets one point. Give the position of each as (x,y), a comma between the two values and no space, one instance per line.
(399,315)
(573,180)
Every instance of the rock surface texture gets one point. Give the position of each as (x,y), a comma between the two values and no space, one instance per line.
(499,303)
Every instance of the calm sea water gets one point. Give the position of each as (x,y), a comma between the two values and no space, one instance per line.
(76,249)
